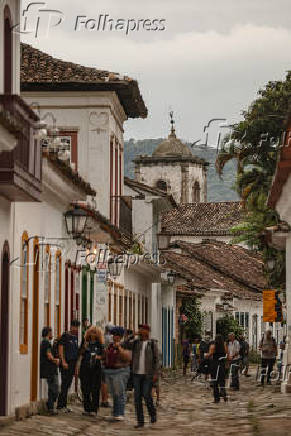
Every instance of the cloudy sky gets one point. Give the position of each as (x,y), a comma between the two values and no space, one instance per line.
(209,61)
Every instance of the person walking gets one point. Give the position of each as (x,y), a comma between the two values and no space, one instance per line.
(217,355)
(203,348)
(49,368)
(117,360)
(91,353)
(194,355)
(244,355)
(186,352)
(233,356)
(104,388)
(145,367)
(268,348)
(68,353)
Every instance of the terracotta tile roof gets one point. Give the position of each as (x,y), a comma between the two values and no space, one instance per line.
(42,72)
(202,218)
(67,171)
(214,264)
(141,187)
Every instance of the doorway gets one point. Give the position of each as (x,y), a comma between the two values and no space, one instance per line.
(4,329)
(35,321)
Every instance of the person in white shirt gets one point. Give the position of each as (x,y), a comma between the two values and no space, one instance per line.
(145,364)
(233,349)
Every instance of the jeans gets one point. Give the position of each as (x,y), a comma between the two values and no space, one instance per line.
(53,388)
(116,380)
(90,386)
(143,389)
(234,373)
(267,364)
(67,376)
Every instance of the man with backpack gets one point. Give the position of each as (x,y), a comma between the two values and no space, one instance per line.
(268,348)
(145,366)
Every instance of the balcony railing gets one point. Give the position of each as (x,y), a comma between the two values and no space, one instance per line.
(125,216)
(20,168)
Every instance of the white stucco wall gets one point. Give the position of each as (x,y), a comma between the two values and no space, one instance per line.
(172,174)
(42,220)
(142,218)
(198,239)
(283,206)
(96,116)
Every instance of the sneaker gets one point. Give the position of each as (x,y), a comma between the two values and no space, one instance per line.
(67,410)
(119,418)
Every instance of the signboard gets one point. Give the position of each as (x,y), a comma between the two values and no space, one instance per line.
(101,309)
(269,305)
(101,273)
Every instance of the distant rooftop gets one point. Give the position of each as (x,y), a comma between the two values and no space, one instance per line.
(202,218)
(42,72)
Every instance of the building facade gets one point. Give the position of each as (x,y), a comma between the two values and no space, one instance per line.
(174,169)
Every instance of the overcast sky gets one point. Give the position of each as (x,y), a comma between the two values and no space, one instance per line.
(209,61)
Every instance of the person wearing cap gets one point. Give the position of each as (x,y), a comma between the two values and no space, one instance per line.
(117,361)
(145,366)
(49,368)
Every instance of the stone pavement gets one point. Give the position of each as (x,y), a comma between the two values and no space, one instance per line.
(186,408)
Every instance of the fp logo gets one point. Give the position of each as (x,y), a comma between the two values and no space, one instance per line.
(37,18)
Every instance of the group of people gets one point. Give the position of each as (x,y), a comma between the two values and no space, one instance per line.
(218,358)
(114,361)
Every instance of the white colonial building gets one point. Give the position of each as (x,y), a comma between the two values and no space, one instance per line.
(78,166)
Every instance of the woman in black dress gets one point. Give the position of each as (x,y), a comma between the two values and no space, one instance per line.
(217,355)
(92,351)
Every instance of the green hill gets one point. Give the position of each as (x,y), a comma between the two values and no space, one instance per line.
(218,190)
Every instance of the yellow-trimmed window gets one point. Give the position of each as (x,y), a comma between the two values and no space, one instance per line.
(58,294)
(24,283)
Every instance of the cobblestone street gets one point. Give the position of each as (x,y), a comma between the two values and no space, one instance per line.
(186,408)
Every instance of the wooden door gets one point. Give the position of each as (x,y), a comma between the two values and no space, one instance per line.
(35,324)
(4,329)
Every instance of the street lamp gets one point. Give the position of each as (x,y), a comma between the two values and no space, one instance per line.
(114,266)
(76,220)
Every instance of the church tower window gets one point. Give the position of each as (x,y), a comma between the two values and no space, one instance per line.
(196,193)
(161,184)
